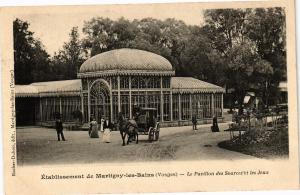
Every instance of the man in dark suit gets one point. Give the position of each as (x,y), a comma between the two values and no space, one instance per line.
(107,124)
(59,129)
(194,121)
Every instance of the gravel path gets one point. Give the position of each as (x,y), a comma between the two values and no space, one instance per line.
(38,146)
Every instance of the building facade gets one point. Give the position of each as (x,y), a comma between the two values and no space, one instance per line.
(118,81)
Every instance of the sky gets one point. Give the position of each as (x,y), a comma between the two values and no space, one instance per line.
(52,26)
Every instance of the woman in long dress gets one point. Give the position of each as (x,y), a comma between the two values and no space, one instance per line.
(94,129)
(101,125)
(107,131)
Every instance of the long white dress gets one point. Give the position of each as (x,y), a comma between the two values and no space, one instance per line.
(106,135)
(101,125)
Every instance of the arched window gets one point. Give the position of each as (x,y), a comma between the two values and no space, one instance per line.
(124,82)
(134,82)
(100,100)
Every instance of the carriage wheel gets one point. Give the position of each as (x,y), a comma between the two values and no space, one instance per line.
(151,134)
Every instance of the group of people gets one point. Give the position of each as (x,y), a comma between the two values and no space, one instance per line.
(105,128)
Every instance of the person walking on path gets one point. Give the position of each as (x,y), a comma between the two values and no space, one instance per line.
(59,129)
(215,127)
(93,129)
(107,131)
(194,121)
(101,125)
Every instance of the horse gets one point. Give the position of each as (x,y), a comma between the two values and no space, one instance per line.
(129,128)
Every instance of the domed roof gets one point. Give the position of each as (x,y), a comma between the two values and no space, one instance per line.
(126,60)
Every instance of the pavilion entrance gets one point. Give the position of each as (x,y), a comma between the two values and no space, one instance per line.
(99,100)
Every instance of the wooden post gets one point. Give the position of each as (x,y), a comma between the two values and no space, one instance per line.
(191,107)
(111,102)
(89,101)
(171,106)
(41,110)
(54,108)
(212,106)
(179,106)
(201,106)
(46,105)
(222,104)
(60,108)
(130,104)
(119,95)
(82,106)
(67,109)
(161,101)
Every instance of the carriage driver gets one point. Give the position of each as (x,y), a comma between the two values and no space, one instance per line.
(136,111)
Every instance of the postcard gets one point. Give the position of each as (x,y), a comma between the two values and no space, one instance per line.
(161,97)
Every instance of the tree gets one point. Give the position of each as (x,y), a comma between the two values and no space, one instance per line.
(98,34)
(149,30)
(174,37)
(213,53)
(123,33)
(42,71)
(267,28)
(240,35)
(68,60)
(31,61)
(149,37)
(246,71)
(59,65)
(200,59)
(225,27)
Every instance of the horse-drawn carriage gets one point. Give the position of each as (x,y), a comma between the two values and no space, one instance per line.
(144,123)
(147,123)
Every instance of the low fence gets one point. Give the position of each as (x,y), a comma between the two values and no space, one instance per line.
(252,121)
